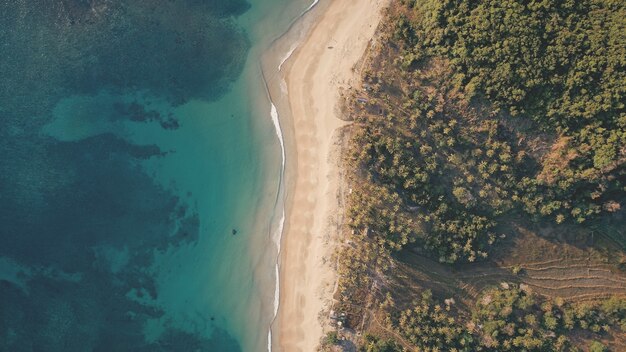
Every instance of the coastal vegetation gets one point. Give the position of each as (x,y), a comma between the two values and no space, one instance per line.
(505,318)
(485,128)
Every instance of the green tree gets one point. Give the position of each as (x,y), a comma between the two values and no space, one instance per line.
(597,347)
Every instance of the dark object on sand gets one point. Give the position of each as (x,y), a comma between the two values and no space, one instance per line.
(234,232)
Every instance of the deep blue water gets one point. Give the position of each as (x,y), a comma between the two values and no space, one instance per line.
(131,170)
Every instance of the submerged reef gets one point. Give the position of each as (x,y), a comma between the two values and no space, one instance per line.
(80,219)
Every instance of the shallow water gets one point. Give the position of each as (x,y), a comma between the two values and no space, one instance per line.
(138,174)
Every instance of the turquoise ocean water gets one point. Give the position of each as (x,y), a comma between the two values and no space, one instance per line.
(138,175)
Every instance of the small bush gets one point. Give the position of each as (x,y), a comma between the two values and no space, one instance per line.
(332,338)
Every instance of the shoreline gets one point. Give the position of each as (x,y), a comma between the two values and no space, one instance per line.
(307,92)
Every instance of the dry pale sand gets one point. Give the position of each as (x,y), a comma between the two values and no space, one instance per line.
(322,65)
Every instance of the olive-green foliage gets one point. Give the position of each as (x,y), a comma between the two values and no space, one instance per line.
(442,170)
(331,338)
(512,319)
(479,112)
(504,318)
(431,328)
(432,176)
(597,347)
(375,344)
(508,321)
(378,210)
(559,63)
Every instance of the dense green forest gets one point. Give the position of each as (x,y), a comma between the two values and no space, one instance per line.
(489,108)
(475,115)
(560,64)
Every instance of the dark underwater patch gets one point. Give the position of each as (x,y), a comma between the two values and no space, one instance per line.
(62,202)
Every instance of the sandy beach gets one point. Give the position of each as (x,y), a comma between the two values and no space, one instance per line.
(323,65)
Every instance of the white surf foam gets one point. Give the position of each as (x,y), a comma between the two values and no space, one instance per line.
(295,45)
(277,287)
(279,133)
(293,48)
(278,234)
(311,6)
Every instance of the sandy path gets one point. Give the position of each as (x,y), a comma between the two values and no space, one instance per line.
(323,64)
